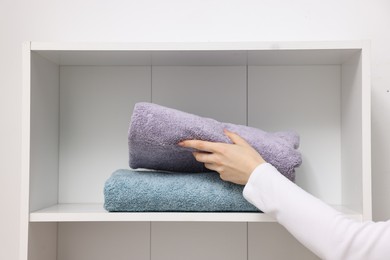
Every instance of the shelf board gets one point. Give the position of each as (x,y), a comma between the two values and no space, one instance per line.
(185,46)
(96,212)
(196,54)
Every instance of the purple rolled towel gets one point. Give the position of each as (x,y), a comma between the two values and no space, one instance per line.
(155,132)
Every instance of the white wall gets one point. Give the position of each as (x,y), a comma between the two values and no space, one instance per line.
(191,20)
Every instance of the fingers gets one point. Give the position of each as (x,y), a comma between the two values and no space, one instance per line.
(235,138)
(208,160)
(211,166)
(212,146)
(204,157)
(219,169)
(199,145)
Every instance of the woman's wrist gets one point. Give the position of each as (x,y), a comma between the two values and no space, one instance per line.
(253,168)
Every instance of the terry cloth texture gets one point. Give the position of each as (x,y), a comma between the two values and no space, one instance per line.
(155,131)
(150,191)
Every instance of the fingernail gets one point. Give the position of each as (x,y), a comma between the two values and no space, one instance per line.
(181,143)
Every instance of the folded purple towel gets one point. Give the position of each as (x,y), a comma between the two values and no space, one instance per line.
(155,131)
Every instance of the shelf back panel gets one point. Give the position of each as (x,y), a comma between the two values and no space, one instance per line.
(93,143)
(306,100)
(95,111)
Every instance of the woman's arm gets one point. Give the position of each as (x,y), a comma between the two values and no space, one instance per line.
(322,229)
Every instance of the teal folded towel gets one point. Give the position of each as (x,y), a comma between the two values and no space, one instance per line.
(151,191)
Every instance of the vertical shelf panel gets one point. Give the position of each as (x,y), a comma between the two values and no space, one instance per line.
(272,241)
(102,241)
(44,132)
(218,92)
(193,241)
(353,153)
(96,106)
(305,99)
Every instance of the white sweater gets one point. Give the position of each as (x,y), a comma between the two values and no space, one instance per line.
(319,227)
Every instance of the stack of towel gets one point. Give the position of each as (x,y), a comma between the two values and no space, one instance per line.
(179,182)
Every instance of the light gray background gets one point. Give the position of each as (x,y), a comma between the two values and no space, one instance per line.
(192,20)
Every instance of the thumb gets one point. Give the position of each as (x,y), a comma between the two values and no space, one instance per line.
(235,138)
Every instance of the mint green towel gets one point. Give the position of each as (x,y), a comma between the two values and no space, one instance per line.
(150,191)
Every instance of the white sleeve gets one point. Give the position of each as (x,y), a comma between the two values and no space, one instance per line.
(323,230)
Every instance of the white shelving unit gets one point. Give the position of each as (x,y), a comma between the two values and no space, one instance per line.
(77,103)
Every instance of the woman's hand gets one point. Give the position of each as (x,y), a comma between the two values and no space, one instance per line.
(234,162)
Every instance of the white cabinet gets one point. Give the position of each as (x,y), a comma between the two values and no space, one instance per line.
(77,103)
